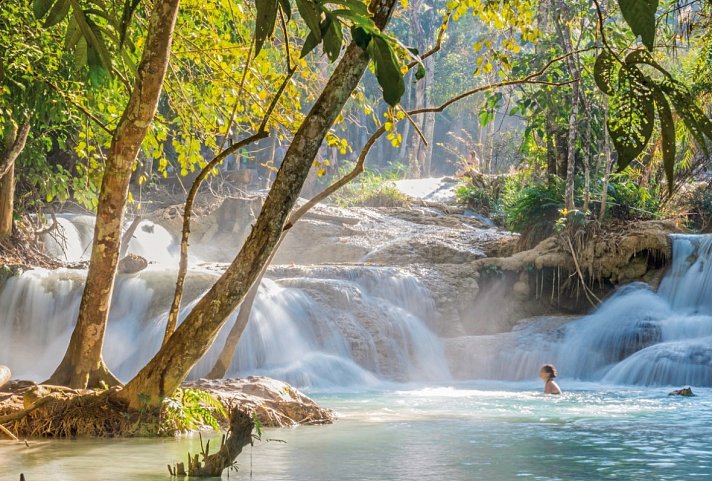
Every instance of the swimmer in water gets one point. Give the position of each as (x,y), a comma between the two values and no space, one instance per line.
(547,373)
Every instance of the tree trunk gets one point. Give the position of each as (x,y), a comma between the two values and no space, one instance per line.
(169,367)
(14,145)
(607,168)
(565,36)
(82,365)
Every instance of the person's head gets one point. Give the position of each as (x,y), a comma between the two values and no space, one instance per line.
(547,372)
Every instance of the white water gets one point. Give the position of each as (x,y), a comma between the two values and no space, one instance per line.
(358,325)
(636,337)
(337,326)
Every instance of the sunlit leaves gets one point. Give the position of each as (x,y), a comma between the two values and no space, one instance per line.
(605,70)
(635,96)
(632,114)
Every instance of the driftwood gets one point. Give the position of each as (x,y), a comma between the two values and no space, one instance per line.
(5,375)
(239,436)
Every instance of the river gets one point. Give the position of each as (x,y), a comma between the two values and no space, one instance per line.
(470,431)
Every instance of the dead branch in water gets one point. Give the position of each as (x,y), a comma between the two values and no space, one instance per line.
(239,436)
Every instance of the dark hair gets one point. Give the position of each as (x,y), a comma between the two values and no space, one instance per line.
(549,369)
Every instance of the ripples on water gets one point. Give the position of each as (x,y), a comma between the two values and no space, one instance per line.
(470,432)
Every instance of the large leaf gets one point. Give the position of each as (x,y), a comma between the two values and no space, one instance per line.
(632,115)
(41,7)
(388,70)
(667,131)
(73,35)
(264,22)
(311,15)
(333,38)
(286,8)
(361,37)
(130,7)
(309,44)
(57,13)
(640,16)
(92,35)
(604,72)
(694,118)
(355,6)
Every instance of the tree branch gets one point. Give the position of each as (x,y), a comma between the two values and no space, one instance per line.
(192,194)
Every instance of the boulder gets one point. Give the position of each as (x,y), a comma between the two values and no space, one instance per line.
(275,403)
(132,264)
(685,391)
(4,375)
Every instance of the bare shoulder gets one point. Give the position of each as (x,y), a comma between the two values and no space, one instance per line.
(552,388)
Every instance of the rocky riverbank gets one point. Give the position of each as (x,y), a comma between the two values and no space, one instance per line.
(28,409)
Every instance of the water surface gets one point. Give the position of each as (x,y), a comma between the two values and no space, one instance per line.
(470,431)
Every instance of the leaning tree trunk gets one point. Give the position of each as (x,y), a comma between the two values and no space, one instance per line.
(14,145)
(169,367)
(82,365)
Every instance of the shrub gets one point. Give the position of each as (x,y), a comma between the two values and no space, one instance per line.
(476,198)
(700,209)
(533,209)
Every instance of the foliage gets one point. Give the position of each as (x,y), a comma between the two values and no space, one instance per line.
(700,208)
(372,189)
(476,198)
(639,87)
(628,199)
(532,207)
(191,409)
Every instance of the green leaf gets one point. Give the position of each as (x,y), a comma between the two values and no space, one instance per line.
(357,19)
(286,8)
(420,72)
(92,36)
(667,130)
(41,7)
(311,15)
(57,14)
(265,19)
(486,116)
(632,115)
(694,118)
(355,6)
(309,44)
(73,34)
(361,37)
(333,38)
(640,16)
(604,71)
(388,70)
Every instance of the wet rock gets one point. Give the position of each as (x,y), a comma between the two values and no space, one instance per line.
(132,264)
(275,403)
(685,391)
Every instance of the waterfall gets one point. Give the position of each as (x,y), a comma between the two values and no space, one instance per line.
(325,326)
(637,336)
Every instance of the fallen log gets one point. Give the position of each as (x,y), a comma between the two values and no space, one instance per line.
(5,375)
(239,436)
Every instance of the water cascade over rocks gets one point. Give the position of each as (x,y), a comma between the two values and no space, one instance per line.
(637,336)
(336,325)
(326,326)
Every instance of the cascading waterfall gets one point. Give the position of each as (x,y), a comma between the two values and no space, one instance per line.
(637,336)
(332,326)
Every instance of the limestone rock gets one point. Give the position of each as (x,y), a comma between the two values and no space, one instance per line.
(685,391)
(276,404)
(132,264)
